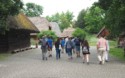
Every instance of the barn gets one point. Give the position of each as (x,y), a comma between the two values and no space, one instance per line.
(18,35)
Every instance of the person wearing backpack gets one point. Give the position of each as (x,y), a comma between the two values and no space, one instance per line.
(77,46)
(44,46)
(85,51)
(69,46)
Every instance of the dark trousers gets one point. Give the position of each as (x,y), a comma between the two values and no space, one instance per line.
(57,53)
(69,51)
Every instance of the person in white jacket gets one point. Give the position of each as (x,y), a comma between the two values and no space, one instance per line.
(107,51)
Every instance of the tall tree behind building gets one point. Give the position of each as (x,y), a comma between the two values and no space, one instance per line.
(7,8)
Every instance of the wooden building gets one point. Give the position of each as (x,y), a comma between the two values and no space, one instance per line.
(103,32)
(18,35)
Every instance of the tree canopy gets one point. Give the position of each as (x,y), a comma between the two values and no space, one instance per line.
(7,8)
(48,33)
(79,33)
(94,19)
(32,9)
(63,19)
(114,15)
(80,19)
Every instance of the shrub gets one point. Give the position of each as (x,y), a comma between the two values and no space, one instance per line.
(48,33)
(79,33)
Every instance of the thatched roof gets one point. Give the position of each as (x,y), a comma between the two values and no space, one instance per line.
(55,28)
(21,22)
(68,32)
(40,22)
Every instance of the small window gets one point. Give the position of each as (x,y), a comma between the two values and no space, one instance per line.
(50,28)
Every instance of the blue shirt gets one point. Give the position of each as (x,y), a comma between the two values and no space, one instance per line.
(50,42)
(62,42)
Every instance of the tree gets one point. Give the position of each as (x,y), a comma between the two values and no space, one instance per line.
(7,8)
(63,19)
(79,33)
(48,33)
(94,19)
(33,9)
(104,4)
(80,19)
(114,16)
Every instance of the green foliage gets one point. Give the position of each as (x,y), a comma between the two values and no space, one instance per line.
(47,33)
(91,19)
(79,33)
(80,19)
(104,4)
(114,15)
(33,9)
(94,19)
(63,19)
(7,8)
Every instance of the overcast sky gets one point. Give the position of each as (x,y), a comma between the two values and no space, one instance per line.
(53,6)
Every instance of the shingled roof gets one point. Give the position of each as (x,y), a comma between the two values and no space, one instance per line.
(21,22)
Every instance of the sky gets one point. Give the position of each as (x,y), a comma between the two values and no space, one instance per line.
(51,7)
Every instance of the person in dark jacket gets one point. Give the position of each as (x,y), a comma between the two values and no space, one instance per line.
(57,47)
(77,46)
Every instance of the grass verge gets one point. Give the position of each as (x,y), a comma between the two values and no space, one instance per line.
(118,53)
(4,56)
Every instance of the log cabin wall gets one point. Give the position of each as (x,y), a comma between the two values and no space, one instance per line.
(18,39)
(14,39)
(3,43)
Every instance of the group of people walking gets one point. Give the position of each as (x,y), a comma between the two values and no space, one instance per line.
(72,46)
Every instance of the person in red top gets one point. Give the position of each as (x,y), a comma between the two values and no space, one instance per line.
(101,49)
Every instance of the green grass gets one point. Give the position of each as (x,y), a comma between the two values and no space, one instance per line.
(4,56)
(112,43)
(118,53)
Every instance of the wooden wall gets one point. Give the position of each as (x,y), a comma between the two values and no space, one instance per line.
(14,39)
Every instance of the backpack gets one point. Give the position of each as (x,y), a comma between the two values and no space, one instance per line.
(85,49)
(77,42)
(69,44)
(43,43)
